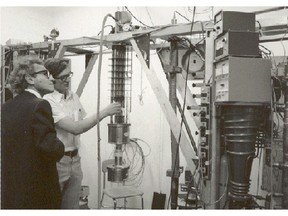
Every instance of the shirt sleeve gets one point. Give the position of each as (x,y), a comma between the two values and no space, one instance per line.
(82,111)
(57,110)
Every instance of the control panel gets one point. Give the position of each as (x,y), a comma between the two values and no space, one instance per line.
(237,44)
(236,21)
(239,79)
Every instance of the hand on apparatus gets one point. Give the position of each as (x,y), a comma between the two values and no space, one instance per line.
(113,108)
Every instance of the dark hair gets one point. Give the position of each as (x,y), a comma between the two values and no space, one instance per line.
(56,65)
(22,66)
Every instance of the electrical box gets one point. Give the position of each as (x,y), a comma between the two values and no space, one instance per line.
(234,21)
(237,44)
(243,80)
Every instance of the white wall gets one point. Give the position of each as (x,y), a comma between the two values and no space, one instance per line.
(147,120)
(26,23)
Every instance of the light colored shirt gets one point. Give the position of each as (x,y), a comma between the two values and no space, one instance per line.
(70,107)
(34,92)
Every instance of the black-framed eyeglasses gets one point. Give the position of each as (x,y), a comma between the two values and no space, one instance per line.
(65,77)
(44,72)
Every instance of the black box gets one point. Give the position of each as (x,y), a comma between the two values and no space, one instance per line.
(234,43)
(235,21)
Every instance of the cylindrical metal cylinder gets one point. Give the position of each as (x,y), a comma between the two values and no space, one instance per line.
(118,155)
(118,133)
(117,173)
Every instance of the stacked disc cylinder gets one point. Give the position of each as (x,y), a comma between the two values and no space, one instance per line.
(241,124)
(118,129)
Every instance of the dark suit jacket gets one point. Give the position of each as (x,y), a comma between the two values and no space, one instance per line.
(30,149)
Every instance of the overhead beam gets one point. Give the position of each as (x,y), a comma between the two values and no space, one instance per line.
(78,50)
(270,10)
(167,109)
(162,32)
(157,32)
(69,42)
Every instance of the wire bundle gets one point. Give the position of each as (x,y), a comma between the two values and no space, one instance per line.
(135,157)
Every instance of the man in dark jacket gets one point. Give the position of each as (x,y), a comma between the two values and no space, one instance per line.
(30,148)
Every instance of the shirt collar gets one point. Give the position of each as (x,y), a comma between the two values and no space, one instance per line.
(59,96)
(34,92)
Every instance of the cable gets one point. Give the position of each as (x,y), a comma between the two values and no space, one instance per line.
(159,49)
(149,15)
(106,27)
(182,16)
(136,18)
(182,114)
(258,179)
(195,49)
(209,9)
(98,109)
(137,139)
(140,96)
(281,41)
(136,175)
(224,192)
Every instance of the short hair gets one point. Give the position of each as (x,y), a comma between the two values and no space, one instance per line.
(56,65)
(22,66)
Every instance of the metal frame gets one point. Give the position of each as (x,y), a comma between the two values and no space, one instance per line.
(270,32)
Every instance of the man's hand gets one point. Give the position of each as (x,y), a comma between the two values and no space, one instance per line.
(112,109)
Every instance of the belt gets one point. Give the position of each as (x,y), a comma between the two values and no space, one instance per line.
(71,153)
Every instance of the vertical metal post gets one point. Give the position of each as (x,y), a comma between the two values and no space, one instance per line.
(215,130)
(215,158)
(285,146)
(174,144)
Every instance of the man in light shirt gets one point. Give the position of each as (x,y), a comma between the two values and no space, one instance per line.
(69,117)
(29,145)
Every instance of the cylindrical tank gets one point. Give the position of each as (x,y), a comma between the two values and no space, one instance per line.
(118,133)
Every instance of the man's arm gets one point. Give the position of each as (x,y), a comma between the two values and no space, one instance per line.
(81,126)
(44,134)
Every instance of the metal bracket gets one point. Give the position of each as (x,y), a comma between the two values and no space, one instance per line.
(53,48)
(280,166)
(172,69)
(143,42)
(177,173)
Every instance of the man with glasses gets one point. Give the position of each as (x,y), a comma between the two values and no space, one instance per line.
(69,117)
(29,145)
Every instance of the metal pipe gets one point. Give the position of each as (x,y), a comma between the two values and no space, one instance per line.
(285,146)
(98,113)
(214,139)
(174,144)
(215,157)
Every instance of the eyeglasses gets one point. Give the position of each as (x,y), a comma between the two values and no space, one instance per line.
(44,72)
(65,77)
